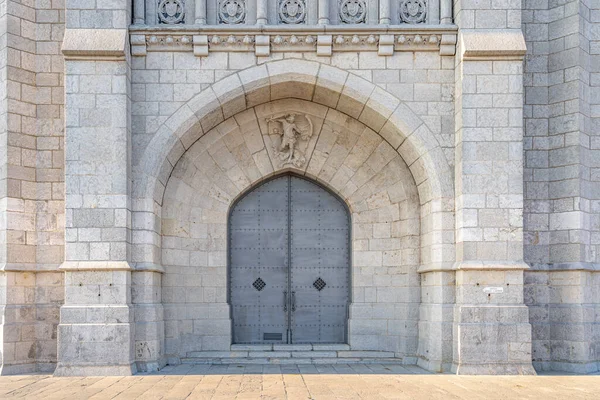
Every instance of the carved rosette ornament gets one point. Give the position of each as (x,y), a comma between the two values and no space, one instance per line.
(413,11)
(232,11)
(292,11)
(293,132)
(353,11)
(171,11)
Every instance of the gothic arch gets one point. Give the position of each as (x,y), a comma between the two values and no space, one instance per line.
(320,84)
(364,171)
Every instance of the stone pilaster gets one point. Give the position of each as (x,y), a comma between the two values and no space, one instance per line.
(563,195)
(31,185)
(149,340)
(96,329)
(491,323)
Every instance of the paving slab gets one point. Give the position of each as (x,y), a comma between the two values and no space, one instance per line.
(336,381)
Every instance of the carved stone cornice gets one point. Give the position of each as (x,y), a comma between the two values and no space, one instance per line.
(290,38)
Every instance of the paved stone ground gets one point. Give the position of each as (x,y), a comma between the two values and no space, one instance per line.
(300,382)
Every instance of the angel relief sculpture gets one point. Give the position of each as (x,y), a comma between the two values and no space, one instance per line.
(294,132)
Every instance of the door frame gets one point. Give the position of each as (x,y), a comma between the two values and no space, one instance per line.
(256,185)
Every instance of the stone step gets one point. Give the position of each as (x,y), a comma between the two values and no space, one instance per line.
(293,355)
(288,361)
(290,347)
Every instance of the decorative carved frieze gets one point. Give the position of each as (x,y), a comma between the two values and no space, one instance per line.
(293,132)
(293,42)
(231,42)
(418,42)
(169,42)
(353,11)
(171,11)
(232,11)
(324,45)
(292,11)
(413,11)
(355,41)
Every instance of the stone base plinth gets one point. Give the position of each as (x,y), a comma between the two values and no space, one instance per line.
(483,346)
(491,333)
(563,310)
(63,369)
(570,367)
(494,369)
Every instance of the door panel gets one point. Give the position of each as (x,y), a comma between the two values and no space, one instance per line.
(319,316)
(258,265)
(289,215)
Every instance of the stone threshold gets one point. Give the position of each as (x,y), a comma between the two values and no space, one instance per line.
(290,354)
(290,347)
(291,361)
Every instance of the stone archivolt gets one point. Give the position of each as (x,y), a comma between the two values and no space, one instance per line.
(339,152)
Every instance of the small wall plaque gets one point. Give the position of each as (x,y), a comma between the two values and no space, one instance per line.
(493,289)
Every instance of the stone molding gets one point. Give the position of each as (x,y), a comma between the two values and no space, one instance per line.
(81,44)
(486,265)
(148,267)
(287,38)
(478,265)
(566,266)
(28,267)
(96,266)
(488,44)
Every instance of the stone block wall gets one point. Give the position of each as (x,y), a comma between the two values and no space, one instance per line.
(163,81)
(524,191)
(561,209)
(96,323)
(421,80)
(489,191)
(96,328)
(345,155)
(32,183)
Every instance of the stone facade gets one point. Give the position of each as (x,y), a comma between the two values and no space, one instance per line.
(463,136)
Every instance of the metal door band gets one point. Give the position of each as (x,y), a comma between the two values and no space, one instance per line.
(289,264)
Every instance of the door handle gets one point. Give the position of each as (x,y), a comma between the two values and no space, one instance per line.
(285,302)
(293,301)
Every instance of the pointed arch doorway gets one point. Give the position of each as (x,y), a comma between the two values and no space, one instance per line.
(289,264)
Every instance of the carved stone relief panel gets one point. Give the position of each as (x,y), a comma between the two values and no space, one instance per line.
(171,11)
(232,11)
(294,132)
(413,11)
(353,11)
(292,11)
